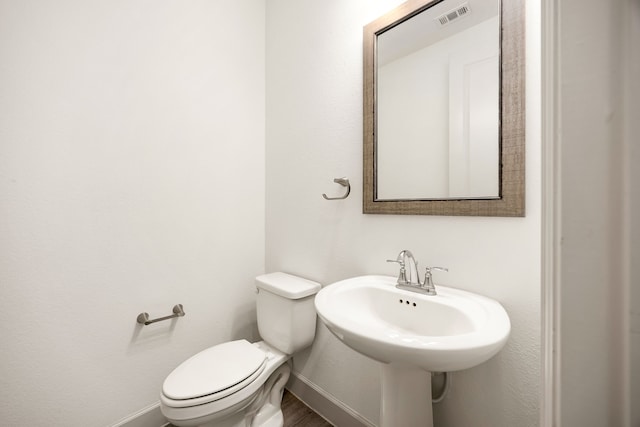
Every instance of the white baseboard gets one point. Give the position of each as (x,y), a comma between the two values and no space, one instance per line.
(146,417)
(330,408)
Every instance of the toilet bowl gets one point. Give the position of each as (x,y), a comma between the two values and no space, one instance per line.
(240,384)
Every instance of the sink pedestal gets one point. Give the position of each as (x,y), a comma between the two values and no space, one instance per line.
(406,396)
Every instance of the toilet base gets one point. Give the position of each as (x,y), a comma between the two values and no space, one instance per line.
(268,411)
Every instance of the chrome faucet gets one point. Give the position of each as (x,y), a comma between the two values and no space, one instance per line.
(425,286)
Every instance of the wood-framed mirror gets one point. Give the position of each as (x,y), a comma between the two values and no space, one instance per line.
(444,109)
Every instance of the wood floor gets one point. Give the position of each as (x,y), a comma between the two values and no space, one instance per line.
(297,414)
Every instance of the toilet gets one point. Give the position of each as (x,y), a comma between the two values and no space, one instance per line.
(238,383)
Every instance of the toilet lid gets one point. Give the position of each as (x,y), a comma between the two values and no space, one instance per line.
(218,369)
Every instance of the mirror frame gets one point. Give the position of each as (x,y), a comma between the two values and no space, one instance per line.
(511,202)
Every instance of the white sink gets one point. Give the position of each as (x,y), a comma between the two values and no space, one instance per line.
(447,332)
(412,334)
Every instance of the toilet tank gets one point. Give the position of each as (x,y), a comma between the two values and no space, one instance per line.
(285,310)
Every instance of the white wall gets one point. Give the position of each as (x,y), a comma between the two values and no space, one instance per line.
(131,179)
(314,134)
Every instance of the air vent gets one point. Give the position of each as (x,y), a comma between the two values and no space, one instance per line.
(454,14)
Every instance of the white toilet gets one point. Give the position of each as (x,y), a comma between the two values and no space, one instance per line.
(239,384)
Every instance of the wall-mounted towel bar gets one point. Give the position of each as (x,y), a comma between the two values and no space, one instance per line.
(345,183)
(177,312)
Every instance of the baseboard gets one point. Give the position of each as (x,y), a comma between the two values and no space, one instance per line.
(146,417)
(330,408)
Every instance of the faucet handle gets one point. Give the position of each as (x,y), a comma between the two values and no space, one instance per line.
(402,276)
(428,279)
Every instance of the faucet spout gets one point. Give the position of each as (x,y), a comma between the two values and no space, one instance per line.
(402,261)
(410,264)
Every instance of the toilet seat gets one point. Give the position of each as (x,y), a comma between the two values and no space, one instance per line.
(214,374)
(190,412)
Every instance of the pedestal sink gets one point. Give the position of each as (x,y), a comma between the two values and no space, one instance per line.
(412,335)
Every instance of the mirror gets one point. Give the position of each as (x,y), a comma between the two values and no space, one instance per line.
(444,109)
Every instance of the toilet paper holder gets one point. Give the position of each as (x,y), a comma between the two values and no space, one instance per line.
(143,318)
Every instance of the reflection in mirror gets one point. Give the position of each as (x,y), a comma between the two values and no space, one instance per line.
(444,109)
(438,85)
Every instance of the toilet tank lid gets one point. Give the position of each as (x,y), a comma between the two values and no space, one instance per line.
(287,285)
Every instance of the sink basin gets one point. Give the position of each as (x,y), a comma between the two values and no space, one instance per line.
(450,331)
